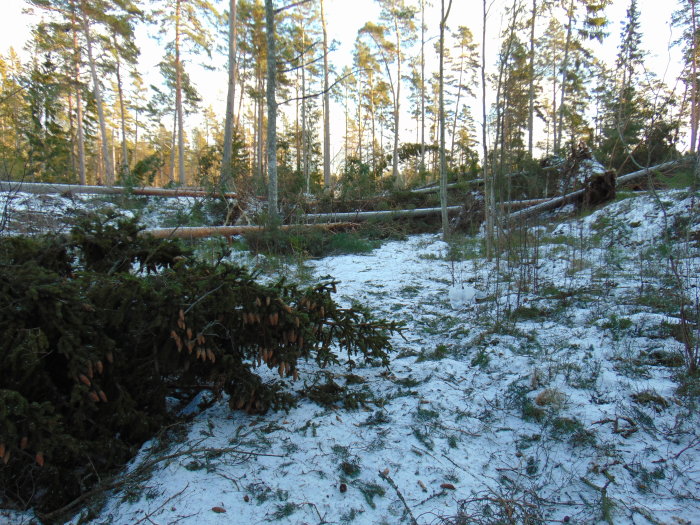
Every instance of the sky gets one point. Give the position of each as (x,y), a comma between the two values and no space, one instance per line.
(345,17)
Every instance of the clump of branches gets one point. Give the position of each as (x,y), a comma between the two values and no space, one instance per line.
(101,326)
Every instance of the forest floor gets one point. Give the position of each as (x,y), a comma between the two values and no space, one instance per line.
(560,395)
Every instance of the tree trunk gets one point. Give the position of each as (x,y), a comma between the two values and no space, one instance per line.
(79,106)
(490,204)
(326,105)
(108,168)
(178,100)
(226,180)
(171,171)
(459,94)
(397,109)
(271,110)
(122,111)
(441,111)
(387,214)
(694,104)
(531,87)
(422,87)
(213,231)
(564,74)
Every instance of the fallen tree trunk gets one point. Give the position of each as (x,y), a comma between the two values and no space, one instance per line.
(569,197)
(226,231)
(43,188)
(522,203)
(364,215)
(659,167)
(434,188)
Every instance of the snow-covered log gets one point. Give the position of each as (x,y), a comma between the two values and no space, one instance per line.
(41,188)
(365,215)
(225,231)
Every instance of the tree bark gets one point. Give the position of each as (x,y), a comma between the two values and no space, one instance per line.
(326,105)
(422,87)
(79,105)
(365,215)
(441,110)
(108,167)
(122,111)
(178,100)
(41,188)
(531,87)
(397,108)
(226,180)
(215,231)
(271,110)
(564,74)
(489,204)
(694,105)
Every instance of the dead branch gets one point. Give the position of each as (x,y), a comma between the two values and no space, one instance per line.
(385,476)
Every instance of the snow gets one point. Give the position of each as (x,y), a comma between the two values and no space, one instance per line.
(464,402)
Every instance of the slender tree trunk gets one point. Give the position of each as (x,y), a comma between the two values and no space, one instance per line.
(441,111)
(122,111)
(694,105)
(397,109)
(422,86)
(108,167)
(372,117)
(304,132)
(71,129)
(79,106)
(178,100)
(326,105)
(459,95)
(564,74)
(226,175)
(271,110)
(489,200)
(173,144)
(531,87)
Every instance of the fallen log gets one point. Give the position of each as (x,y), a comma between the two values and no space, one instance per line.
(522,203)
(570,197)
(659,167)
(364,215)
(43,188)
(435,187)
(226,231)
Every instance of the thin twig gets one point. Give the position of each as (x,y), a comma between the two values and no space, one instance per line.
(385,475)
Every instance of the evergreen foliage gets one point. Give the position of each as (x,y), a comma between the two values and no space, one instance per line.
(100,327)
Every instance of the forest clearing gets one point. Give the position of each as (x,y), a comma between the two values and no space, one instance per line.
(332,262)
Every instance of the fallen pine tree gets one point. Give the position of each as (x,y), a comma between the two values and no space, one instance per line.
(187,232)
(385,214)
(580,194)
(100,327)
(45,188)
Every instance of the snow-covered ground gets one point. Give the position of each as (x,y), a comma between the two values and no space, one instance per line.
(551,395)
